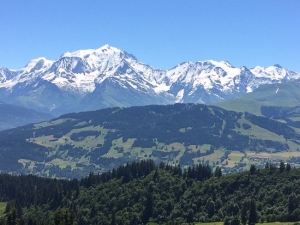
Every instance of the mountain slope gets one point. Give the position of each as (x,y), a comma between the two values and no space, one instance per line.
(272,96)
(107,77)
(12,116)
(75,144)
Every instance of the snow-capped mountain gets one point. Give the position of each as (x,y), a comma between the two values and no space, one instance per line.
(106,77)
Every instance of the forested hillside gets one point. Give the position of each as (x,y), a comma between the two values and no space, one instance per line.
(187,134)
(141,192)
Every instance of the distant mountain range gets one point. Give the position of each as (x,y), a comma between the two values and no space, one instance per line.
(106,77)
(13,116)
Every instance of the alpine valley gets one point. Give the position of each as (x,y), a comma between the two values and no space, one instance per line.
(111,109)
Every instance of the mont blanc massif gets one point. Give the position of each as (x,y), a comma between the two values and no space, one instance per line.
(93,110)
(107,77)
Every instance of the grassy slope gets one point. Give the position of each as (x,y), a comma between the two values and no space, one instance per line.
(90,142)
(284,94)
(2,208)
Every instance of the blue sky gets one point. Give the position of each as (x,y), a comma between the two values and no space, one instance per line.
(160,33)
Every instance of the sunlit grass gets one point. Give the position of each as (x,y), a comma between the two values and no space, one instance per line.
(2,208)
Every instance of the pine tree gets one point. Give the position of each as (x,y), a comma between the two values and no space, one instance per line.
(252,213)
(235,221)
(218,172)
(190,216)
(148,209)
(282,167)
(244,213)
(113,219)
(12,218)
(288,168)
(252,169)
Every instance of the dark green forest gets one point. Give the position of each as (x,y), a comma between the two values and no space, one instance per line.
(142,192)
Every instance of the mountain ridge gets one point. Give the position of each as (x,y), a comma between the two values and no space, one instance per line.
(100,76)
(75,144)
(283,95)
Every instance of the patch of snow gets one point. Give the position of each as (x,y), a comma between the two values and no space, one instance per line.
(179,96)
(161,88)
(249,89)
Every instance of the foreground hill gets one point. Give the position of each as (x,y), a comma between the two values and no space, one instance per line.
(141,192)
(109,77)
(13,116)
(186,134)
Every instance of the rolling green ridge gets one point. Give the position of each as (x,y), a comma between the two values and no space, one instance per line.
(284,95)
(146,193)
(186,134)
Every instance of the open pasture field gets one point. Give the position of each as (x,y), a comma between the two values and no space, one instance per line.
(2,208)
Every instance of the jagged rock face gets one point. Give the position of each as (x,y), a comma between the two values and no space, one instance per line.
(106,77)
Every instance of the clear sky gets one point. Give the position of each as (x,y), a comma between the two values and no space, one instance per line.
(161,33)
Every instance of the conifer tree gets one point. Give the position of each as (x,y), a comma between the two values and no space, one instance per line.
(244,213)
(288,168)
(282,167)
(252,169)
(252,213)
(218,172)
(12,218)
(148,209)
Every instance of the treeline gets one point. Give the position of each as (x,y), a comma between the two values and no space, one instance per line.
(143,168)
(25,194)
(140,192)
(283,113)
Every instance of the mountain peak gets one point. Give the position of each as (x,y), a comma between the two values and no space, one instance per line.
(106,50)
(37,64)
(216,63)
(277,65)
(220,64)
(34,61)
